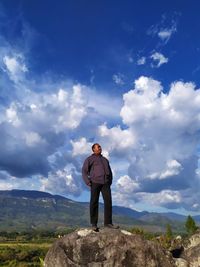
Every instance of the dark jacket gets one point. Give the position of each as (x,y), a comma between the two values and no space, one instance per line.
(96,168)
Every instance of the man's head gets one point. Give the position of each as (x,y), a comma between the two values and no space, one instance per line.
(96,148)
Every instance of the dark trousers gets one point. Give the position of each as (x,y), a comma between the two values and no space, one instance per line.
(94,203)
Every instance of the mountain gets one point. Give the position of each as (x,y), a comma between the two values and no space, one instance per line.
(27,210)
(175,216)
(28,194)
(128,212)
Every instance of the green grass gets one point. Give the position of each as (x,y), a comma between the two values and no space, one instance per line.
(26,249)
(15,254)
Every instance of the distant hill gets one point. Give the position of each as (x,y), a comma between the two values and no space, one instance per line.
(27,210)
(28,194)
(177,217)
(128,212)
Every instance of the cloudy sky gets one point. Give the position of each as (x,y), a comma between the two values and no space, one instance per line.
(125,74)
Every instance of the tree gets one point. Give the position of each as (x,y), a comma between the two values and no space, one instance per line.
(190,225)
(168,233)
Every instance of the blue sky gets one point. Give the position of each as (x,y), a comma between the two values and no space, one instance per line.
(125,74)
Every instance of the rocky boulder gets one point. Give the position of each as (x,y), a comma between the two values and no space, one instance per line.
(106,248)
(190,257)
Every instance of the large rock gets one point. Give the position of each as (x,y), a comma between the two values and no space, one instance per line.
(189,255)
(107,248)
(191,251)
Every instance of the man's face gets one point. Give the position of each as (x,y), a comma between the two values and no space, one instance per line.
(97,149)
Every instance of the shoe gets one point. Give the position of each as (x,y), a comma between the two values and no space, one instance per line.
(112,226)
(95,228)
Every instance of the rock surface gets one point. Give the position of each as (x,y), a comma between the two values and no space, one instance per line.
(191,252)
(107,248)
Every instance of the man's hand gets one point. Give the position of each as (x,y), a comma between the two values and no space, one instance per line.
(89,184)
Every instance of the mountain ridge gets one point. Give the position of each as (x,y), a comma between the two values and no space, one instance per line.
(30,209)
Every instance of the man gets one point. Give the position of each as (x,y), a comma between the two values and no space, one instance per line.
(97,175)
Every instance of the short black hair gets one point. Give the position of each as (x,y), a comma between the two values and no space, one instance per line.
(93,146)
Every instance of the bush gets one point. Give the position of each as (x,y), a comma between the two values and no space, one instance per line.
(22,256)
(142,232)
(168,233)
(190,225)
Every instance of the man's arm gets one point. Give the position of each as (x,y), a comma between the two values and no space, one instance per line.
(110,175)
(85,172)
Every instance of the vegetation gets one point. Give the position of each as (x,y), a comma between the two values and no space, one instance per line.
(23,210)
(170,239)
(169,233)
(31,221)
(147,235)
(190,225)
(166,239)
(22,254)
(26,249)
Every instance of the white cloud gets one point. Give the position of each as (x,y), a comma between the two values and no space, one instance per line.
(59,110)
(4,185)
(15,66)
(32,139)
(118,79)
(72,111)
(165,34)
(156,143)
(11,114)
(62,96)
(163,137)
(170,199)
(12,182)
(123,200)
(163,198)
(48,134)
(165,28)
(173,167)
(141,61)
(37,124)
(62,182)
(141,101)
(159,59)
(43,121)
(81,147)
(127,185)
(41,126)
(116,138)
(100,103)
(64,109)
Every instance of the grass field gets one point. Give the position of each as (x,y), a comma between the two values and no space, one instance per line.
(19,254)
(27,249)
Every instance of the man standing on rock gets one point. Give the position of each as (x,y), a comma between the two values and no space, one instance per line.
(97,175)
